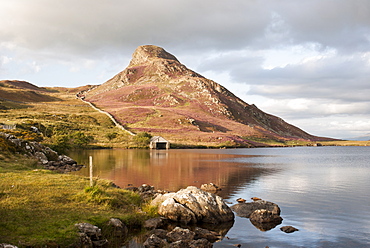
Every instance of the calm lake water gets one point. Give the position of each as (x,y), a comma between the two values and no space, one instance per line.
(322,191)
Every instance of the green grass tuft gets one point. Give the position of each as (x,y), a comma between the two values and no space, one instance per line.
(38,207)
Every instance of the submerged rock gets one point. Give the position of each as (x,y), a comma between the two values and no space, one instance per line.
(264,219)
(288,229)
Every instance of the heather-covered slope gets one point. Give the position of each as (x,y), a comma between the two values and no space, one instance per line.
(158,94)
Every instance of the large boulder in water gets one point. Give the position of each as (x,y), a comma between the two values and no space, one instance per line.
(193,205)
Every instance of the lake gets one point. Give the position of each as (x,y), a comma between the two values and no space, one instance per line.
(322,191)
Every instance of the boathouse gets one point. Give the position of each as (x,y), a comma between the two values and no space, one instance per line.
(158,142)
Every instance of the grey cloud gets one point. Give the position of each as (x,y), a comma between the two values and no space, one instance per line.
(98,27)
(89,26)
(341,77)
(341,23)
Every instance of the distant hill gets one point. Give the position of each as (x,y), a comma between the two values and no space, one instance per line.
(361,138)
(21,91)
(159,95)
(20,85)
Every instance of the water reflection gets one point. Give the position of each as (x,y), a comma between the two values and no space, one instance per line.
(172,169)
(323,191)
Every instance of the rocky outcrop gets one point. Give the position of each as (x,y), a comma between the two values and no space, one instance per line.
(90,235)
(112,235)
(181,237)
(245,209)
(47,157)
(262,214)
(193,205)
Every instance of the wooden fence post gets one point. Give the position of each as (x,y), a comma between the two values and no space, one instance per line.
(91,171)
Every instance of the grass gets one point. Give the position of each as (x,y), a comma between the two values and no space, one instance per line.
(64,114)
(346,143)
(38,207)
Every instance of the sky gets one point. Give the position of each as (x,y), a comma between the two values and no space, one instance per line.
(306,61)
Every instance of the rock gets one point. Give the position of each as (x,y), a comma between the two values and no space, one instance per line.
(201,233)
(7,246)
(288,229)
(53,155)
(179,244)
(90,235)
(264,219)
(179,233)
(256,198)
(265,216)
(155,223)
(119,229)
(145,188)
(210,187)
(200,243)
(193,205)
(154,241)
(159,199)
(247,208)
(45,155)
(41,157)
(161,233)
(175,211)
(181,238)
(90,230)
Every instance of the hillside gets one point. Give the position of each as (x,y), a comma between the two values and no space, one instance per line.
(21,91)
(159,95)
(61,118)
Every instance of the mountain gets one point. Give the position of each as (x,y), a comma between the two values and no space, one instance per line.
(159,95)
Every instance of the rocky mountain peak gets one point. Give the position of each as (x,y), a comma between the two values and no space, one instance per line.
(158,94)
(147,53)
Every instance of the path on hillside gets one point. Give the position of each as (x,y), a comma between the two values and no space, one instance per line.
(109,115)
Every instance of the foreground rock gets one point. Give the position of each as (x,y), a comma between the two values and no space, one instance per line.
(90,235)
(7,246)
(181,238)
(113,234)
(193,205)
(245,209)
(262,214)
(47,157)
